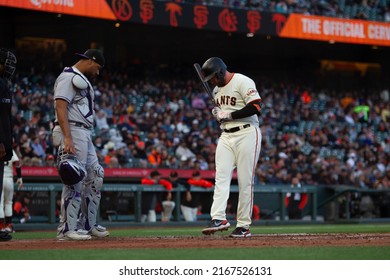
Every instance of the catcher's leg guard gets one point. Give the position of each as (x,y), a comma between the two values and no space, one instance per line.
(90,198)
(70,207)
(168,207)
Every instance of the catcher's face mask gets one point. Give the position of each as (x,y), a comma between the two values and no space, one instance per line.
(8,60)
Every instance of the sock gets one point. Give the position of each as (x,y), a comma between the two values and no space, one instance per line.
(8,220)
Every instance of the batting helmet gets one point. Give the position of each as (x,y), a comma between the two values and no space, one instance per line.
(214,66)
(70,169)
(8,59)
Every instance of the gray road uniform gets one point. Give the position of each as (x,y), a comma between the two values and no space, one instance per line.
(83,197)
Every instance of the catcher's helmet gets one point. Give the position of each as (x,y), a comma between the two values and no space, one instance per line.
(8,60)
(214,66)
(70,169)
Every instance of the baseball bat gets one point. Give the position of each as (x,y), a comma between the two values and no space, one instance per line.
(205,85)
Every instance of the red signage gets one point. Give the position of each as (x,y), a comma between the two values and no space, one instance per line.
(118,173)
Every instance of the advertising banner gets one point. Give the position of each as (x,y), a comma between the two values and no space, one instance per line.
(162,13)
(187,15)
(336,30)
(86,8)
(118,173)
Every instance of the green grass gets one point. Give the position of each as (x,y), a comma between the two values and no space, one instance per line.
(293,253)
(195,231)
(267,253)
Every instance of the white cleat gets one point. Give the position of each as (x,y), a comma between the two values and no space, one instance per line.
(82,231)
(99,227)
(99,231)
(73,235)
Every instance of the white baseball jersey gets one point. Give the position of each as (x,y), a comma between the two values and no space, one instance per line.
(81,102)
(235,95)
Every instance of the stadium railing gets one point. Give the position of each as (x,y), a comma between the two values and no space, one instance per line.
(54,189)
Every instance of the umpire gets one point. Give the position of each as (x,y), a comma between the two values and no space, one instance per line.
(7,69)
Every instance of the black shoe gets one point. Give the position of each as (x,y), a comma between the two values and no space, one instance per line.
(241,232)
(216,225)
(5,236)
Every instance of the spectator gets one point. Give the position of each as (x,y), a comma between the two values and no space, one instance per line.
(295,202)
(101,121)
(154,157)
(113,163)
(27,151)
(45,140)
(37,148)
(176,182)
(21,209)
(190,202)
(281,7)
(122,155)
(183,152)
(198,103)
(150,199)
(109,150)
(50,161)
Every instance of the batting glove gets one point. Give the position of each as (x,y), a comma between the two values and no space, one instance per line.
(20,183)
(215,111)
(220,115)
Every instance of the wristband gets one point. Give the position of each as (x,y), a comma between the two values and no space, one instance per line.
(19,172)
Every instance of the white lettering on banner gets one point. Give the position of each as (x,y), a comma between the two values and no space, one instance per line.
(345,29)
(379,32)
(311,25)
(39,3)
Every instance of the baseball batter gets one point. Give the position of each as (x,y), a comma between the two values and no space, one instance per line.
(238,146)
(74,107)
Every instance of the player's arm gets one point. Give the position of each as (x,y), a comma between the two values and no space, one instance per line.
(19,179)
(62,118)
(252,108)
(2,132)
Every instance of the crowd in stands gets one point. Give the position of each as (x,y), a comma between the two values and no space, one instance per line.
(376,10)
(328,136)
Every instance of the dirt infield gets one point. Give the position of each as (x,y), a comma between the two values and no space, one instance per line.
(216,241)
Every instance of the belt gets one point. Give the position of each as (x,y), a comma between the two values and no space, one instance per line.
(237,128)
(78,124)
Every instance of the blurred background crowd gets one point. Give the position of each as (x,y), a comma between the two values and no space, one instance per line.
(328,135)
(330,128)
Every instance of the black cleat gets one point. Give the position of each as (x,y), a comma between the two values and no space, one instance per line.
(216,225)
(5,236)
(241,232)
